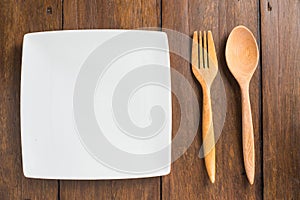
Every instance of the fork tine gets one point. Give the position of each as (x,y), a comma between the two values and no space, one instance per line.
(201,50)
(211,50)
(205,50)
(195,62)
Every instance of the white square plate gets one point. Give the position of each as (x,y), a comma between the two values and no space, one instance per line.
(96,104)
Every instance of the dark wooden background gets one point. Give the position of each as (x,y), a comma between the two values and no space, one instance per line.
(275,94)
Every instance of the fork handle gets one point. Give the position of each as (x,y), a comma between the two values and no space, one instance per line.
(248,137)
(208,136)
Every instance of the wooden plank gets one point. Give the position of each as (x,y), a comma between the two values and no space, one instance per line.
(16,19)
(121,14)
(111,14)
(281,105)
(178,185)
(188,179)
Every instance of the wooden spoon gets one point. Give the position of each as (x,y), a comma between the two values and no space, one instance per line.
(242,58)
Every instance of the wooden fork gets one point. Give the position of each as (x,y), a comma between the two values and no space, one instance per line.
(205,68)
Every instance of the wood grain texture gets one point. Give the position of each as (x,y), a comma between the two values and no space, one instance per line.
(119,14)
(17,18)
(188,179)
(277,87)
(181,184)
(280,30)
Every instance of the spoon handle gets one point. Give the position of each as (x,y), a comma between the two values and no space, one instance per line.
(248,137)
(208,136)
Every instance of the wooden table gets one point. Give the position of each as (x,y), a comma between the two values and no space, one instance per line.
(275,94)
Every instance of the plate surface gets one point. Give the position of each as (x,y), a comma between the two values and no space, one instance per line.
(96,104)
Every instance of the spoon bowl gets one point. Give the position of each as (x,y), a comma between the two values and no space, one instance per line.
(241,53)
(242,58)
